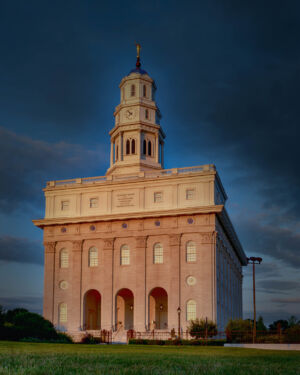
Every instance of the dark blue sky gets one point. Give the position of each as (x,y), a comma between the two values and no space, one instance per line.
(228,75)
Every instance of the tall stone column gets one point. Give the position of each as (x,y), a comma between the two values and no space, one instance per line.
(107,299)
(49,277)
(174,294)
(75,314)
(140,297)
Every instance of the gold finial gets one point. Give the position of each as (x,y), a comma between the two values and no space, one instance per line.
(138,50)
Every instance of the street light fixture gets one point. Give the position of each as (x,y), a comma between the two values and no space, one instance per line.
(179,312)
(254,261)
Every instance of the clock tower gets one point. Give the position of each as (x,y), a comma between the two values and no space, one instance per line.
(137,139)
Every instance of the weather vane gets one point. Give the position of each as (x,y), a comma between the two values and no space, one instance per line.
(138,50)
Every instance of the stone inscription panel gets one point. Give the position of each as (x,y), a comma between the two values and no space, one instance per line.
(125,199)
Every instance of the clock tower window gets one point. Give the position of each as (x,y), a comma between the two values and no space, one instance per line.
(146,113)
(132,90)
(127,147)
(144,147)
(144,91)
(149,148)
(133,146)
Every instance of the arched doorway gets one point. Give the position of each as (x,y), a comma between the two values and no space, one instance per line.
(92,310)
(158,309)
(124,309)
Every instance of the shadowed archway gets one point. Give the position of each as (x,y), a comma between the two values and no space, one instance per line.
(158,309)
(92,310)
(124,309)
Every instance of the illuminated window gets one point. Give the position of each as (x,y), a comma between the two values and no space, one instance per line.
(146,113)
(93,202)
(191,255)
(191,310)
(64,205)
(125,255)
(93,257)
(158,254)
(158,197)
(144,91)
(63,313)
(190,194)
(132,90)
(64,258)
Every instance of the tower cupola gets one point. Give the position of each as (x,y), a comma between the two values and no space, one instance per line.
(137,139)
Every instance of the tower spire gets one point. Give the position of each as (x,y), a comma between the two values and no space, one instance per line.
(138,50)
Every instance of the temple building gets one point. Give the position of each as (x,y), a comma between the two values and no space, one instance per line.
(142,247)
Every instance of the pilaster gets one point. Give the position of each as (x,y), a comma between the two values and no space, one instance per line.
(140,297)
(107,299)
(75,320)
(49,277)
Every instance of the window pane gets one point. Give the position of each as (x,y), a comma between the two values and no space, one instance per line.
(132,90)
(158,197)
(63,317)
(191,310)
(64,259)
(93,202)
(158,254)
(190,194)
(65,205)
(93,257)
(125,255)
(191,255)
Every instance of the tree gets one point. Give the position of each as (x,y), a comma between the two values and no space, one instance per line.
(202,328)
(283,324)
(260,326)
(239,330)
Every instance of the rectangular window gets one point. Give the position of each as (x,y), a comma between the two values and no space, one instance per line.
(93,202)
(191,311)
(190,194)
(65,205)
(158,255)
(63,314)
(125,257)
(158,197)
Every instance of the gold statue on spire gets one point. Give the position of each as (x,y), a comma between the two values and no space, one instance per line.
(138,50)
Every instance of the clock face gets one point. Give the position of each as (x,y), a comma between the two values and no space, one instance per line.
(130,114)
(191,280)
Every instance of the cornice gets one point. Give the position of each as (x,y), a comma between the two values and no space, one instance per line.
(41,223)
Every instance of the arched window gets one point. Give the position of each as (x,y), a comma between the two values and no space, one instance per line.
(125,255)
(64,258)
(63,313)
(146,113)
(117,153)
(127,147)
(191,255)
(191,310)
(93,257)
(149,148)
(144,146)
(133,146)
(144,91)
(132,90)
(158,254)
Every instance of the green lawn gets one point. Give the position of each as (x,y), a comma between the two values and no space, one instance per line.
(59,359)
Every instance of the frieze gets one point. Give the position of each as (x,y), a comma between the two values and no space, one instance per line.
(49,247)
(108,243)
(141,241)
(77,245)
(174,239)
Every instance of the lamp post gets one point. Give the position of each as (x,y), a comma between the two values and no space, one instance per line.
(179,312)
(254,261)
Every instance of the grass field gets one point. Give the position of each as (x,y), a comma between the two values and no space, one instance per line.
(59,359)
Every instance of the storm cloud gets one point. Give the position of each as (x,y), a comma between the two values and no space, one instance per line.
(21,250)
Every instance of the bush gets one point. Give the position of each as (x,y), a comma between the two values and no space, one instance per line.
(89,339)
(239,330)
(202,328)
(177,342)
(293,334)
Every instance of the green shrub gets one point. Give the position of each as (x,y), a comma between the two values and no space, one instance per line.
(89,339)
(202,328)
(239,330)
(293,334)
(177,341)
